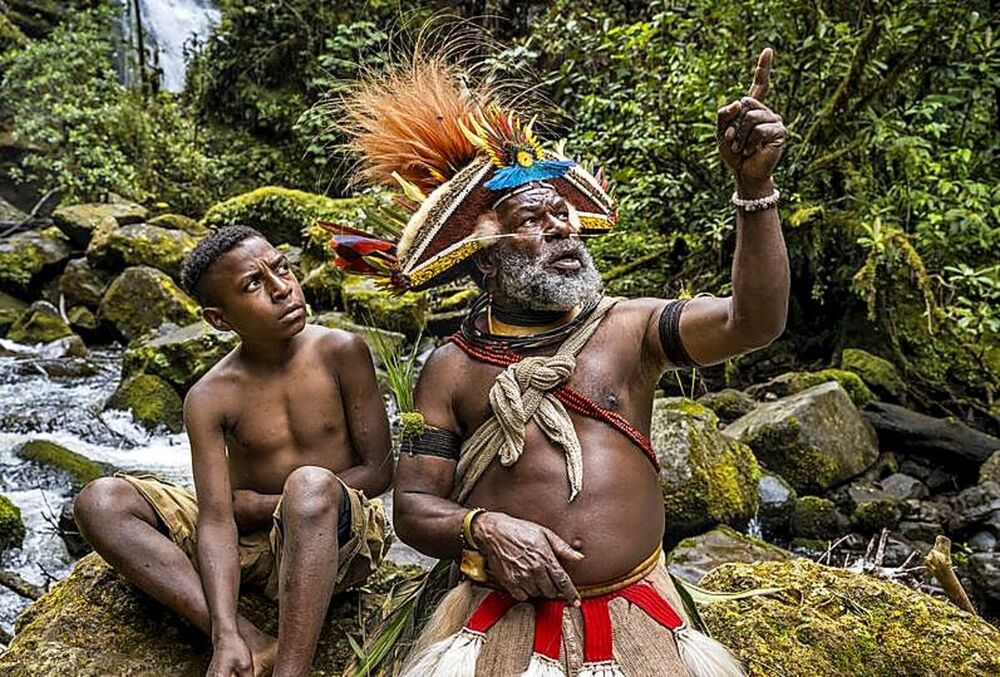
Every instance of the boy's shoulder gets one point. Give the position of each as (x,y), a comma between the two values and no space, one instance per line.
(337,344)
(222,377)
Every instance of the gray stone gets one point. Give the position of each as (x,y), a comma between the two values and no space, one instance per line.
(903,486)
(815,439)
(978,505)
(706,478)
(10,310)
(40,323)
(140,244)
(27,259)
(82,285)
(694,557)
(990,470)
(141,299)
(81,220)
(983,541)
(777,501)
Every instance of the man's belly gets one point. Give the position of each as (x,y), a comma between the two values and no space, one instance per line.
(616,520)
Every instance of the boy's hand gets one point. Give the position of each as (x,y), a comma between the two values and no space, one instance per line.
(230,656)
(253,511)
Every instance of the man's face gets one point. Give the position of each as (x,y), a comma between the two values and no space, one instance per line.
(255,293)
(545,265)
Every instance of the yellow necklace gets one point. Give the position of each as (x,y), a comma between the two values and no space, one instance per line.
(501,328)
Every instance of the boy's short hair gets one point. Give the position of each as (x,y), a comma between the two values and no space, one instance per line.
(208,251)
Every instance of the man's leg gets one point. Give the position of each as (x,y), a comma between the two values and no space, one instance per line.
(122,527)
(310,511)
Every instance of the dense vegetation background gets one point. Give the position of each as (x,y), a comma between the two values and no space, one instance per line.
(891,179)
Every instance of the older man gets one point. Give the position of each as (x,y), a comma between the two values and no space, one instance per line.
(527,459)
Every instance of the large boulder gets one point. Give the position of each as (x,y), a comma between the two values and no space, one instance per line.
(181,356)
(179,222)
(369,304)
(27,259)
(77,467)
(814,439)
(694,557)
(94,623)
(141,244)
(151,401)
(828,621)
(816,518)
(11,310)
(796,381)
(12,531)
(728,404)
(282,214)
(40,323)
(81,220)
(143,298)
(878,373)
(706,478)
(83,285)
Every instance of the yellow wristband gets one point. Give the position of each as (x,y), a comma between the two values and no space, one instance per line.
(470,542)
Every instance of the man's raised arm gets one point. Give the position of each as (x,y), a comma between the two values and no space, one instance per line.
(218,556)
(704,331)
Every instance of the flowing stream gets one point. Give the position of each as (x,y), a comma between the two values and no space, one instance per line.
(163,27)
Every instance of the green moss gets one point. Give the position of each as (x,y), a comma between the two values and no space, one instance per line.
(870,517)
(80,221)
(12,531)
(179,357)
(152,401)
(706,477)
(143,298)
(728,404)
(83,318)
(144,245)
(321,286)
(782,446)
(179,222)
(830,621)
(877,372)
(284,215)
(368,304)
(80,469)
(412,422)
(25,256)
(40,323)
(11,310)
(815,517)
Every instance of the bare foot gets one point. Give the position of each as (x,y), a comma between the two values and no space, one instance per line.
(263,649)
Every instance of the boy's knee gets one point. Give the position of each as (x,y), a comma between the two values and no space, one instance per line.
(102,498)
(312,492)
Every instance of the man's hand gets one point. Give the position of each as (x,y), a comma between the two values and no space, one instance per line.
(524,557)
(230,656)
(750,135)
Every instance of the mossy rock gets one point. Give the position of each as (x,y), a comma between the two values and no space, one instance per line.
(878,373)
(12,531)
(321,286)
(151,400)
(283,214)
(728,404)
(814,439)
(394,341)
(81,220)
(369,304)
(82,284)
(11,310)
(81,317)
(706,478)
(694,557)
(829,621)
(94,623)
(141,244)
(77,467)
(39,323)
(26,259)
(871,517)
(794,382)
(143,298)
(179,222)
(9,212)
(181,356)
(816,518)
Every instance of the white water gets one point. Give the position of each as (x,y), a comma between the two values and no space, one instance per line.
(167,25)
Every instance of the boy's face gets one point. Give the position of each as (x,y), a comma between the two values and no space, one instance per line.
(255,293)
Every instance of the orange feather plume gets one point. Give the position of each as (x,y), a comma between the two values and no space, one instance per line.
(407,121)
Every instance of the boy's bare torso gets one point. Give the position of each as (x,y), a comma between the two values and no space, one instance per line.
(277,419)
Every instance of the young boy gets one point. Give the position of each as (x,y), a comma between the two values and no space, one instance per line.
(288,436)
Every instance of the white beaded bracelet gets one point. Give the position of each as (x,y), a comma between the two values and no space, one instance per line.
(757,205)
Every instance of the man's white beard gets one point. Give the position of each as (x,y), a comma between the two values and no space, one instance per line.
(528,282)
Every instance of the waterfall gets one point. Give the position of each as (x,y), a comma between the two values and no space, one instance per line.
(162,28)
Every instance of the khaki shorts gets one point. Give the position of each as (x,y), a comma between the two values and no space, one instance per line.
(260,552)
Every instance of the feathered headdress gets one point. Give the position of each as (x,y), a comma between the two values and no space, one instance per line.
(454,152)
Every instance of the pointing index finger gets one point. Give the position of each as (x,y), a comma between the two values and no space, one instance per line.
(761,75)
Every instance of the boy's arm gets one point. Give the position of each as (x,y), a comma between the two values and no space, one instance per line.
(367,422)
(218,557)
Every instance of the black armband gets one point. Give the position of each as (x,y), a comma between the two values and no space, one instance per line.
(670,335)
(431,441)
